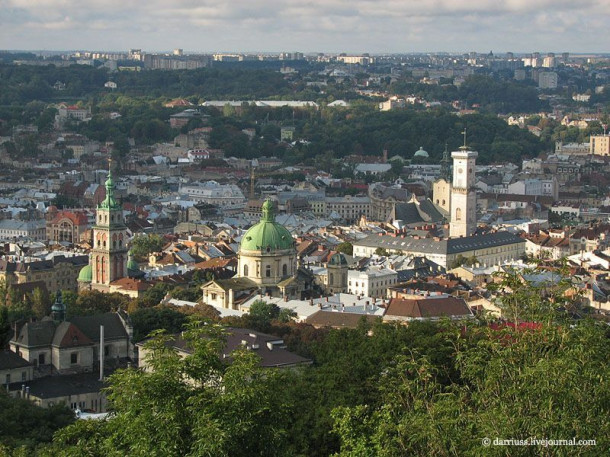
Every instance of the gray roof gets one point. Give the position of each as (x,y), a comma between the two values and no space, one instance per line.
(34,334)
(417,212)
(447,247)
(87,328)
(9,360)
(90,326)
(62,386)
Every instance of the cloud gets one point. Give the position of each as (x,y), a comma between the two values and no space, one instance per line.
(350,25)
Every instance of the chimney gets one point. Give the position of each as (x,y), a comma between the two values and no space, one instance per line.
(101,352)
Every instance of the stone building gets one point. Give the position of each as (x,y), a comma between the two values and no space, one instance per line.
(65,226)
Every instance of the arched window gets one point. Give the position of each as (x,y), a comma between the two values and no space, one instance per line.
(285,270)
(245,270)
(332,278)
(458,214)
(268,271)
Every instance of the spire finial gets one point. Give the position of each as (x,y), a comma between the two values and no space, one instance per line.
(464,147)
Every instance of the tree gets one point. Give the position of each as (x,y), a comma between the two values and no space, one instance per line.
(199,404)
(260,315)
(41,305)
(94,302)
(22,424)
(5,327)
(346,248)
(147,320)
(510,382)
(143,245)
(382,252)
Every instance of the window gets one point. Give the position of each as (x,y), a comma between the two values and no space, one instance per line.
(285,270)
(74,358)
(213,296)
(458,214)
(8,379)
(24,376)
(245,270)
(268,271)
(41,360)
(107,351)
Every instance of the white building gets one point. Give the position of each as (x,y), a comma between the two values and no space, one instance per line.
(35,230)
(373,282)
(213,193)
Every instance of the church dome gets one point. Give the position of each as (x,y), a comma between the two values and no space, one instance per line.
(337,259)
(86,274)
(421,153)
(267,235)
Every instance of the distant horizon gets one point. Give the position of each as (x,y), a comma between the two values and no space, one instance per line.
(542,53)
(350,26)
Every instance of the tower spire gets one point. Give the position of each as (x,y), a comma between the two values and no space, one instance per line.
(464,147)
(109,202)
(446,165)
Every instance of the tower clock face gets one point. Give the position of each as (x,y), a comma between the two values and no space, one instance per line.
(460,170)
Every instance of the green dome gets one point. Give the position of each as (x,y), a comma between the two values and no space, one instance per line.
(267,235)
(338,259)
(421,153)
(86,274)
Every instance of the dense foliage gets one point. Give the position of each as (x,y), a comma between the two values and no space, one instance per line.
(25,426)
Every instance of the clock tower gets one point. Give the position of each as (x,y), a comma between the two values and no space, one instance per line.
(463,193)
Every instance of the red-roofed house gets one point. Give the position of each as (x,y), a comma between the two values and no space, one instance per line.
(424,307)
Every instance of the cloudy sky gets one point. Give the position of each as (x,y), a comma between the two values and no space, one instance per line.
(350,26)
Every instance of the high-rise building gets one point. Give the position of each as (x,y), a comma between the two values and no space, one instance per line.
(547,80)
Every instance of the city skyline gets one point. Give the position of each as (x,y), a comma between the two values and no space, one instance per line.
(330,26)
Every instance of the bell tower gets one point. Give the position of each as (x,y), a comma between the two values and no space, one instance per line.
(109,253)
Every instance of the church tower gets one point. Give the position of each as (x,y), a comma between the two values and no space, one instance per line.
(109,253)
(441,188)
(463,193)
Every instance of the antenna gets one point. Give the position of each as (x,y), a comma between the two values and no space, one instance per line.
(251,182)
